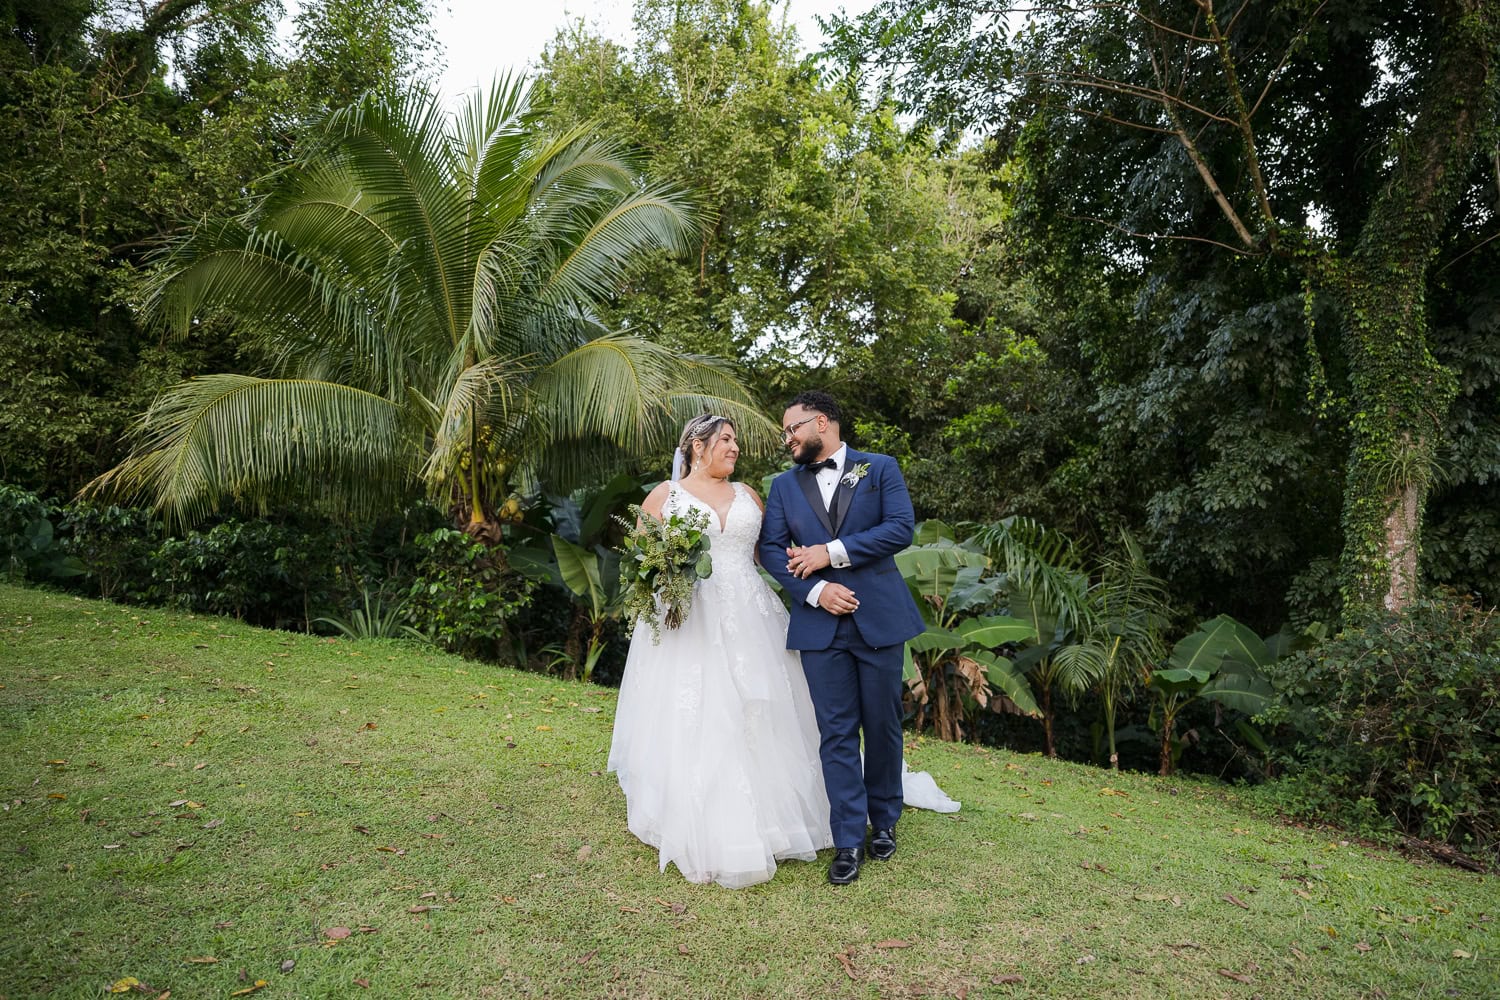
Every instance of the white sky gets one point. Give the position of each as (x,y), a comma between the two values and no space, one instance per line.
(483,36)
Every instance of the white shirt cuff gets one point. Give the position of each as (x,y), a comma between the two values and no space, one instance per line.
(838,557)
(812,595)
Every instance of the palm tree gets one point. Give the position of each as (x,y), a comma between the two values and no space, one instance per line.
(1046,587)
(1122,639)
(424,287)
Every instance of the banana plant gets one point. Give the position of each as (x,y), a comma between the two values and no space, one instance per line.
(576,556)
(1220,662)
(592,576)
(952,668)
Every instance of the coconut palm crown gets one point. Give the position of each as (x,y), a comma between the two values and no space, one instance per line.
(424,286)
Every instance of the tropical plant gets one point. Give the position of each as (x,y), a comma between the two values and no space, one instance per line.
(378,618)
(466,597)
(424,290)
(1121,638)
(951,668)
(1222,661)
(1040,574)
(28,543)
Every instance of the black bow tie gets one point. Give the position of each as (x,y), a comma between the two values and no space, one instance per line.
(827,463)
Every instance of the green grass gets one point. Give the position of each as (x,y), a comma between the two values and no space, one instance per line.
(178,787)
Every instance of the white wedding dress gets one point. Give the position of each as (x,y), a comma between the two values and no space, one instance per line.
(715,740)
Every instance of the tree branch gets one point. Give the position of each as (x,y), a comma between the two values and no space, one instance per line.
(1167,236)
(1247,132)
(1125,90)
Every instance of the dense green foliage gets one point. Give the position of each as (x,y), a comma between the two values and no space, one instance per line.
(1296,240)
(122,123)
(1396,726)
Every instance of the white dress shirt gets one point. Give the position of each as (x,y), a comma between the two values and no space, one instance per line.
(828,482)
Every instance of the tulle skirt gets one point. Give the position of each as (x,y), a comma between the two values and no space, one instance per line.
(715,742)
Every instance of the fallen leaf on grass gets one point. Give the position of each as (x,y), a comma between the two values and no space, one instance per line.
(363,984)
(630,909)
(200,766)
(1238,977)
(682,949)
(846,962)
(1300,957)
(289,965)
(223,925)
(1460,953)
(585,958)
(259,984)
(124,985)
(202,960)
(893,943)
(1005,980)
(1085,960)
(428,895)
(391,850)
(1231,898)
(337,933)
(418,909)
(362,829)
(213,824)
(1361,946)
(677,908)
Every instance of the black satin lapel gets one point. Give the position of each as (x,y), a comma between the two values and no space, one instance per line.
(844,496)
(809,483)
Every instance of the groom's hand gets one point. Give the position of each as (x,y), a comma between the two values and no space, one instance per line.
(804,560)
(837,599)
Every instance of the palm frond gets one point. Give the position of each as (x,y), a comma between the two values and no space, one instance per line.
(623,394)
(1039,561)
(258,440)
(591,264)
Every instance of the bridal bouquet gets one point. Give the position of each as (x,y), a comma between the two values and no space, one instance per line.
(659,563)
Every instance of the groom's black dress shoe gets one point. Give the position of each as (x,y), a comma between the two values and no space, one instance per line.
(882,844)
(845,866)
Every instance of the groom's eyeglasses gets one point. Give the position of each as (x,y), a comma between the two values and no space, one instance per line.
(787,432)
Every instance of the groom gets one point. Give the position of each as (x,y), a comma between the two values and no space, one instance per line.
(831,526)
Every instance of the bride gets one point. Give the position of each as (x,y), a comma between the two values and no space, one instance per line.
(715,742)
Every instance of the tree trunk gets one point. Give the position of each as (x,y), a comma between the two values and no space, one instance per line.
(1047,720)
(1164,761)
(1400,393)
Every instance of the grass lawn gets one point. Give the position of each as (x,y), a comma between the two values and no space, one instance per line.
(203,806)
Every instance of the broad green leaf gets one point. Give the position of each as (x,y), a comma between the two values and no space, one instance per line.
(580,570)
(994,630)
(1245,691)
(937,638)
(1216,641)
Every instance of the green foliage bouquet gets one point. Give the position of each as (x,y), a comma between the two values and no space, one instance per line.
(660,562)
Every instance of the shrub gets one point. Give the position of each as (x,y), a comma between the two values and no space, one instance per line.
(466,595)
(116,545)
(1396,725)
(29,548)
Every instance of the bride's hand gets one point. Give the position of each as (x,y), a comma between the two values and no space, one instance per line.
(805,560)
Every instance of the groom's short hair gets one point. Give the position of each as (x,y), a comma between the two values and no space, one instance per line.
(819,401)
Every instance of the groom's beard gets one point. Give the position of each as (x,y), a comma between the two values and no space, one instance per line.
(810,452)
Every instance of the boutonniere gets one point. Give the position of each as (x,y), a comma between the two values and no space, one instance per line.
(855,474)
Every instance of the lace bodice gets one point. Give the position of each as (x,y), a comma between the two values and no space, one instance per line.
(735,581)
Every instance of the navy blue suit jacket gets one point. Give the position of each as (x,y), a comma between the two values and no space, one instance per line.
(875,522)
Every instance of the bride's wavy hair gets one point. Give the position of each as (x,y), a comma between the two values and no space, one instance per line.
(705,429)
